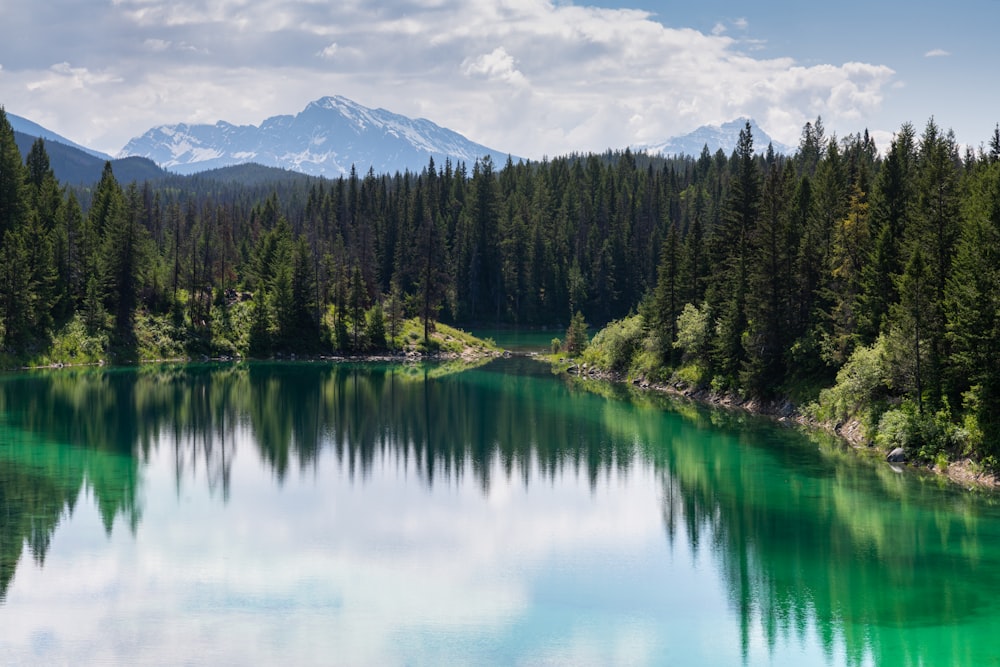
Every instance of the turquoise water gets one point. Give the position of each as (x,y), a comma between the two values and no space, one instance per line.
(366,514)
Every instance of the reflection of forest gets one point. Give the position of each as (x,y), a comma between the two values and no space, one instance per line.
(806,536)
(65,428)
(885,568)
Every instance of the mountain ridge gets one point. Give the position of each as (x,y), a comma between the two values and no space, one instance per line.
(33,129)
(327,138)
(715,137)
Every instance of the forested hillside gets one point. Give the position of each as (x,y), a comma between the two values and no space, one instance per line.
(753,272)
(876,277)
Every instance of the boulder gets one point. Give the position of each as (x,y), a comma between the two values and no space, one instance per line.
(897,455)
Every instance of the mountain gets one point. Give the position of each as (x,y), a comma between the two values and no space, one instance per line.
(715,137)
(325,139)
(33,129)
(78,165)
(74,166)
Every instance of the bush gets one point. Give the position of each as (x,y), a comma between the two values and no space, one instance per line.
(75,344)
(862,384)
(926,436)
(692,331)
(615,346)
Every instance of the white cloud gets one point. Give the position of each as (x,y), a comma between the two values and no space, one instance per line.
(329,52)
(497,65)
(936,53)
(63,76)
(527,76)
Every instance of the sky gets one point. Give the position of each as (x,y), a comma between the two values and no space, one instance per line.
(534,78)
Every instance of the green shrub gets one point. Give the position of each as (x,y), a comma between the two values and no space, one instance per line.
(615,346)
(74,344)
(693,331)
(930,437)
(862,385)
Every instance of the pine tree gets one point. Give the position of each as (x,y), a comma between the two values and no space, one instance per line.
(123,258)
(302,327)
(695,269)
(974,305)
(394,312)
(768,297)
(13,199)
(850,252)
(909,334)
(732,257)
(666,297)
(891,213)
(935,230)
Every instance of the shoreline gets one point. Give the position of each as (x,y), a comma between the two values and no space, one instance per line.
(385,357)
(962,472)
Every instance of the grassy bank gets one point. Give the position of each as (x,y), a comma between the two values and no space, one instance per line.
(228,333)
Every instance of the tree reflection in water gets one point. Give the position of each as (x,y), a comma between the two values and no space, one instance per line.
(807,536)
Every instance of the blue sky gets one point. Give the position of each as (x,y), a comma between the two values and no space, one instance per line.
(532,77)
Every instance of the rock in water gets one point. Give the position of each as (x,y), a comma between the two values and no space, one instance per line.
(897,455)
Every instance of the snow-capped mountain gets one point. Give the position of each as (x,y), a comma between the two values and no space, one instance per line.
(715,137)
(325,139)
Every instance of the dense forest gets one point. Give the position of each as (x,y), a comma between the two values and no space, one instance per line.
(762,274)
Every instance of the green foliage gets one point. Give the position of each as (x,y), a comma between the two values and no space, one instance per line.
(862,386)
(76,343)
(693,330)
(928,437)
(615,346)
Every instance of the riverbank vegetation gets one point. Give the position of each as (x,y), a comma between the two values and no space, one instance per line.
(864,288)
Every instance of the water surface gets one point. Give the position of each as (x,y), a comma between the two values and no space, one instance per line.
(371,514)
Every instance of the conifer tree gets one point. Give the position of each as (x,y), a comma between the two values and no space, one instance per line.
(974,305)
(768,298)
(13,199)
(666,296)
(849,255)
(732,257)
(123,259)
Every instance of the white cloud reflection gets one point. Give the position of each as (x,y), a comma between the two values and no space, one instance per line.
(321,568)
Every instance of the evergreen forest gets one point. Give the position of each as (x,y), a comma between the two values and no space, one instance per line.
(867,284)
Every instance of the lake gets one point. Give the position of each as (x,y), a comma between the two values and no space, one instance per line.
(374,514)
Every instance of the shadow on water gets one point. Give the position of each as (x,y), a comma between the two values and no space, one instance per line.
(895,569)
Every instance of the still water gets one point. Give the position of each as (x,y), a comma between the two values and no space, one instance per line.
(366,514)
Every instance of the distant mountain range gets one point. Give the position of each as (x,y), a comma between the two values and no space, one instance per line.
(326,138)
(33,129)
(77,166)
(715,137)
